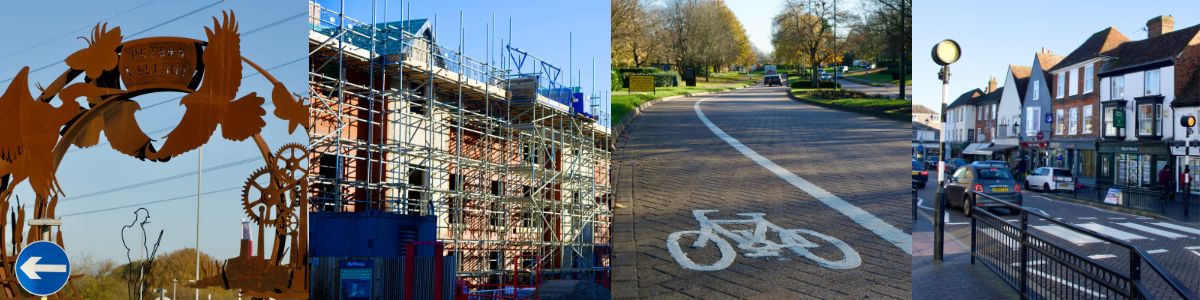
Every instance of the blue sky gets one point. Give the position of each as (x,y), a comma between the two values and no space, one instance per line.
(48,34)
(542,27)
(1000,33)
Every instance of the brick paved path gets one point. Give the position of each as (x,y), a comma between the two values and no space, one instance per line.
(670,163)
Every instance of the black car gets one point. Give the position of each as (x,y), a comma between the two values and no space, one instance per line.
(773,80)
(919,174)
(968,181)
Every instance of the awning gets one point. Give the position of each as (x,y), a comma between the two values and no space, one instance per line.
(977,149)
(998,147)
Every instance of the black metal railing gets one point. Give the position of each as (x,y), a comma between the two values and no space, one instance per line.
(1131,197)
(1041,269)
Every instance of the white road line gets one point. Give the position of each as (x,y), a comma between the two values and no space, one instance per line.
(1087,218)
(1115,218)
(1111,232)
(1192,247)
(1101,256)
(1058,280)
(1067,234)
(1000,237)
(884,230)
(1156,251)
(1152,230)
(1197,253)
(1177,227)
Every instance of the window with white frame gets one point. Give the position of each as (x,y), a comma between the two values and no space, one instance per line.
(1059,125)
(1073,126)
(1087,119)
(1116,87)
(1033,120)
(1147,119)
(1087,79)
(1072,88)
(1062,78)
(1110,128)
(1152,82)
(1037,87)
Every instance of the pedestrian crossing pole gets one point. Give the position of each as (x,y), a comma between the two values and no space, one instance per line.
(1188,122)
(944,53)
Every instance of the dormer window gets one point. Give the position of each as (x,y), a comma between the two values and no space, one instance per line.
(1037,88)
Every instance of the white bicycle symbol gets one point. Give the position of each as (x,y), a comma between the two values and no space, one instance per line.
(755,243)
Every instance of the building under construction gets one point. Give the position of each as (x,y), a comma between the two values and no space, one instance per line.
(415,143)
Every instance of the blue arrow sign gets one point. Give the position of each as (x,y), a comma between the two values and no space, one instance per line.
(1049,118)
(43,268)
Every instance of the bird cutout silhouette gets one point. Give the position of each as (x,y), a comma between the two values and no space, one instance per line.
(289,108)
(101,53)
(213,102)
(28,136)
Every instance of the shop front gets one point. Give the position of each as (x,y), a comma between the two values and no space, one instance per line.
(1077,156)
(1133,164)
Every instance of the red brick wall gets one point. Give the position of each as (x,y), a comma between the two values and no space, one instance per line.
(1079,101)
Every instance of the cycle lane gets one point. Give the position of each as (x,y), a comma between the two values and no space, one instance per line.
(671,164)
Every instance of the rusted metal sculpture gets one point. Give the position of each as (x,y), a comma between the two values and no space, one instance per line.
(35,135)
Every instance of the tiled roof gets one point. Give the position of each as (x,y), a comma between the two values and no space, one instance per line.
(966,98)
(921,109)
(994,96)
(1157,49)
(1189,95)
(1021,75)
(1095,45)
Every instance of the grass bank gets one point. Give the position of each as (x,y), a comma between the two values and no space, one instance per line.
(623,102)
(882,78)
(897,109)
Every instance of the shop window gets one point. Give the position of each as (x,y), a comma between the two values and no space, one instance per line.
(1087,163)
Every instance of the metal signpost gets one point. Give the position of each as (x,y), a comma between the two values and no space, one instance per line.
(43,268)
(944,53)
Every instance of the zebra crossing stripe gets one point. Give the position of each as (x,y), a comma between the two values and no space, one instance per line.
(1151,230)
(1111,232)
(1156,251)
(1177,227)
(1101,256)
(1067,234)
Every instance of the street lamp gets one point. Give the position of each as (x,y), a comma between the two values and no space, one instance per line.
(944,53)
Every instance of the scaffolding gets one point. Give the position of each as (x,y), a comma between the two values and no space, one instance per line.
(515,171)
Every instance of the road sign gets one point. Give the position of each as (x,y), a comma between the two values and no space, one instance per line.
(43,268)
(1041,135)
(1049,118)
(641,83)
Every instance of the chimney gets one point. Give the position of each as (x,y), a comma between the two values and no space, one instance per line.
(991,87)
(1160,25)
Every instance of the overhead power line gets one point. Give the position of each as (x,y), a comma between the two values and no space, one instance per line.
(192,196)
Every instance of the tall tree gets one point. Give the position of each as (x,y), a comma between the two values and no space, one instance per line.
(804,33)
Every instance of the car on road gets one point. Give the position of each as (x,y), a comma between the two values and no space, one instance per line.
(992,163)
(1047,179)
(826,77)
(919,174)
(968,182)
(773,80)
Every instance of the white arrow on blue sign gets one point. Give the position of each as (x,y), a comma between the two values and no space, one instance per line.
(43,268)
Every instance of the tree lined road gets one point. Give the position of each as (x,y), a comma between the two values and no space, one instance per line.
(821,181)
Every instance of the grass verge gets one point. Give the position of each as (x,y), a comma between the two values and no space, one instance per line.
(624,102)
(896,109)
(882,78)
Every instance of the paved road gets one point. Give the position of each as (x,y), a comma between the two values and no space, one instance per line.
(756,151)
(1176,245)
(889,90)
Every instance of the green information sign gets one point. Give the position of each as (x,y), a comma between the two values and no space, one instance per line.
(1119,118)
